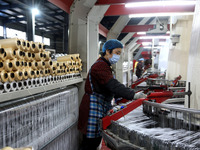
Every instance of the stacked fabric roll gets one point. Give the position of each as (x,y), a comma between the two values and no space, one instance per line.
(22,60)
(72,63)
(10,148)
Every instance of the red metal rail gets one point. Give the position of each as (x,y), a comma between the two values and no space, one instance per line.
(159,97)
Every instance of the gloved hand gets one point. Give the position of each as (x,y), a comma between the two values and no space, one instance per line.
(139,95)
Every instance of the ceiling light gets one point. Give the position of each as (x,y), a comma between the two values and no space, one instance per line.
(139,33)
(160,14)
(146,43)
(35,11)
(160,3)
(147,47)
(154,37)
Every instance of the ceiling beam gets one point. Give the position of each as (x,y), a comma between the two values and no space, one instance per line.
(117,2)
(5,7)
(63,4)
(144,35)
(138,28)
(42,13)
(117,10)
(140,41)
(103,30)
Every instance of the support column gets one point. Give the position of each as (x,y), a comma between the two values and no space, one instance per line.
(65,34)
(83,33)
(30,27)
(113,34)
(194,61)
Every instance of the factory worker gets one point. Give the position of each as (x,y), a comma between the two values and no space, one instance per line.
(100,88)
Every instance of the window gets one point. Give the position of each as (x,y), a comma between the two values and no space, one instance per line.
(38,38)
(47,41)
(12,33)
(1,31)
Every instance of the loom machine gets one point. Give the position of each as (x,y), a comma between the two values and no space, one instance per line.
(156,93)
(38,102)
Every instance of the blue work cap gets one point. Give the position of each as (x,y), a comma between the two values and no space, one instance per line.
(111,44)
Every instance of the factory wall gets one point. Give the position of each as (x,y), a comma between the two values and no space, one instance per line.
(193,71)
(178,55)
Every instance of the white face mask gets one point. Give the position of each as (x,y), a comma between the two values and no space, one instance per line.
(114,59)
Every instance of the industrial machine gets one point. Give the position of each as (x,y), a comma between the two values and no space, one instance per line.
(124,108)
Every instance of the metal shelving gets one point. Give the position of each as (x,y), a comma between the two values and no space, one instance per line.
(36,90)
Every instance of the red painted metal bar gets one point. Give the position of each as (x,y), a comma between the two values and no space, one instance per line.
(106,121)
(117,10)
(141,35)
(63,4)
(139,28)
(103,30)
(117,2)
(143,79)
(159,97)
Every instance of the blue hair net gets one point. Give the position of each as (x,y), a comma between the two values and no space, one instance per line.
(112,44)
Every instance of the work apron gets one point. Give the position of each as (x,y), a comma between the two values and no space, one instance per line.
(98,109)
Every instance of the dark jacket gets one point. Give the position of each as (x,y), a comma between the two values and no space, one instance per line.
(105,84)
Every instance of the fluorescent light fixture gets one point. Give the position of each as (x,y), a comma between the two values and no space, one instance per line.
(154,37)
(140,33)
(160,14)
(160,3)
(146,43)
(162,43)
(35,11)
(147,47)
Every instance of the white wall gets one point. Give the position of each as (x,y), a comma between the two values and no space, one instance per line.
(178,55)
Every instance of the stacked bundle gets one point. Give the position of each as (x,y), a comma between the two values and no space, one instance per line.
(22,61)
(71,63)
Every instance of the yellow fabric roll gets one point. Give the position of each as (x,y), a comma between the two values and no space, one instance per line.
(4,76)
(55,64)
(38,56)
(28,56)
(32,45)
(65,58)
(28,46)
(19,54)
(25,74)
(23,45)
(2,54)
(38,47)
(30,73)
(48,64)
(7,148)
(18,75)
(41,73)
(1,66)
(11,76)
(16,64)
(47,55)
(34,65)
(13,43)
(7,65)
(41,65)
(52,71)
(75,56)
(9,53)
(43,47)
(37,74)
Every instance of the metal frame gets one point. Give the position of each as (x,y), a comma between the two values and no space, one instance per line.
(36,90)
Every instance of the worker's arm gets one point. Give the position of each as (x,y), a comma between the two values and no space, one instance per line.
(119,89)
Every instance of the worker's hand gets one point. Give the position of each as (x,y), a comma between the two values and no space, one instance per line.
(139,95)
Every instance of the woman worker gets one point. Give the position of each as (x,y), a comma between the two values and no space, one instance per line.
(100,88)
